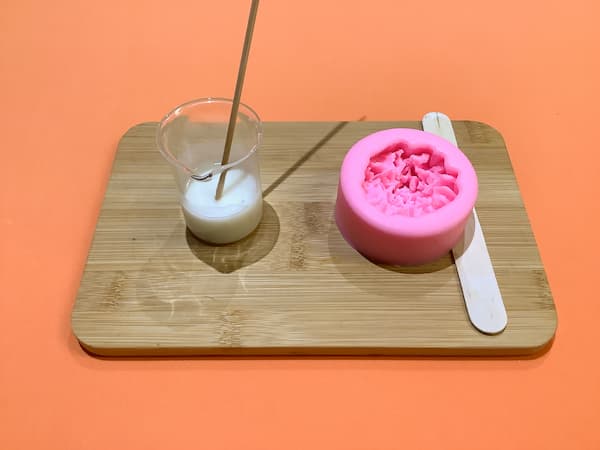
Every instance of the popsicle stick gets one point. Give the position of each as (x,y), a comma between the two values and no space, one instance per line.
(238,94)
(477,278)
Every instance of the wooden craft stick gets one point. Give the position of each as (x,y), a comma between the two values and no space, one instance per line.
(477,278)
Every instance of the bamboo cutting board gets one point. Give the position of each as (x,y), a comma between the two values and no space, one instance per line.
(295,286)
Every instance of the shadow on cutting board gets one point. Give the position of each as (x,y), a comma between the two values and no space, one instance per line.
(231,257)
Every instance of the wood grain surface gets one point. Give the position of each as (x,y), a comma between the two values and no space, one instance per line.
(295,286)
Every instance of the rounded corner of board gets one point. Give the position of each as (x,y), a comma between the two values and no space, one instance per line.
(543,344)
(87,347)
(139,128)
(487,127)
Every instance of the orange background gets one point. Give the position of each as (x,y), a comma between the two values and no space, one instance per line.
(75,75)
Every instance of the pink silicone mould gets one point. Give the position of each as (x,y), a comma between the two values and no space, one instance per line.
(397,238)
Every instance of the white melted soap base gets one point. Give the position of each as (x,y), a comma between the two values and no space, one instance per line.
(235,215)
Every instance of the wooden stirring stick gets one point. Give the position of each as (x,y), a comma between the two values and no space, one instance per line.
(238,94)
(475,271)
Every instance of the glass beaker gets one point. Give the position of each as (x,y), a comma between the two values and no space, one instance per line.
(192,138)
